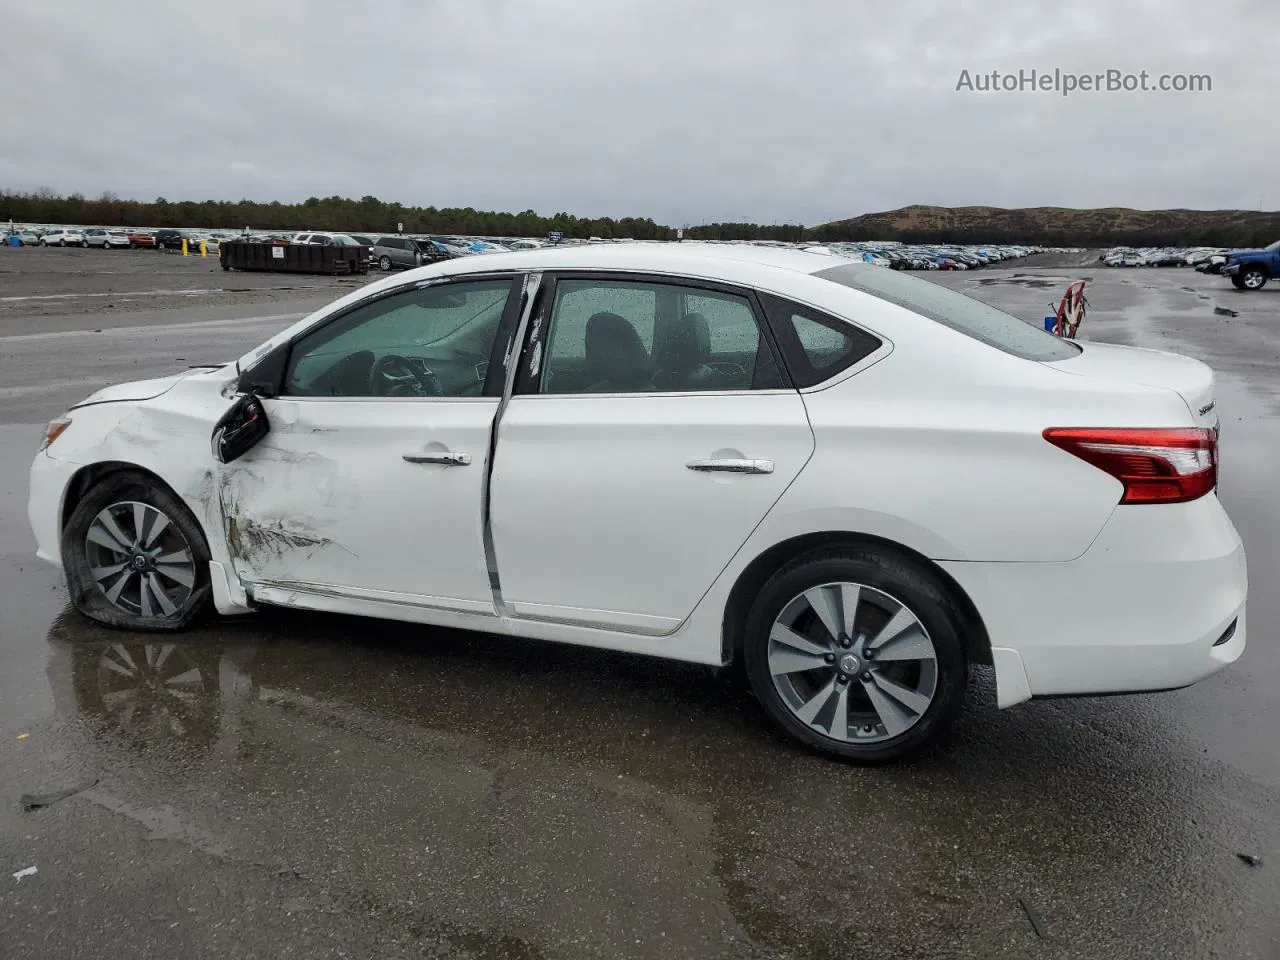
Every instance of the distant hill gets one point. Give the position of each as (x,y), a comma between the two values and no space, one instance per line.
(1060,226)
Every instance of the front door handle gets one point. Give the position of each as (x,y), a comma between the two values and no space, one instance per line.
(448,458)
(731,466)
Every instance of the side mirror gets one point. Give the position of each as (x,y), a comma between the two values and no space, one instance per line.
(266,376)
(240,429)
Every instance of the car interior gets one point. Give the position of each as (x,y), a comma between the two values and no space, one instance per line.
(662,339)
(421,343)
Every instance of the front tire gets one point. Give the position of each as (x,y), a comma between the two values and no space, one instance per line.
(384,263)
(1253,278)
(857,652)
(135,557)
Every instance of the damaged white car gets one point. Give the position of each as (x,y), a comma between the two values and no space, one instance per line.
(858,482)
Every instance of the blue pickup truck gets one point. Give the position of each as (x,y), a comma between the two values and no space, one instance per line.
(1251,269)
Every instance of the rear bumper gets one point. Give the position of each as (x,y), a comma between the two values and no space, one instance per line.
(1141,610)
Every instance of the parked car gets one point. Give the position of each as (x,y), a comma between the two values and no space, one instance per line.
(858,482)
(320,238)
(63,238)
(172,240)
(142,240)
(106,239)
(397,252)
(1251,269)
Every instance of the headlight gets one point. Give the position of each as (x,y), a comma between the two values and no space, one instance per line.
(54,430)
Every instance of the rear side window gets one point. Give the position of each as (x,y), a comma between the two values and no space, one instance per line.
(963,314)
(814,345)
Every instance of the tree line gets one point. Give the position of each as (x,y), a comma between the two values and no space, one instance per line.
(371,215)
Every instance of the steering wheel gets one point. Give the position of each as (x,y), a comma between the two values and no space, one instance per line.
(394,376)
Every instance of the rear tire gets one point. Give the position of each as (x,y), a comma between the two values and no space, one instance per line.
(125,567)
(890,681)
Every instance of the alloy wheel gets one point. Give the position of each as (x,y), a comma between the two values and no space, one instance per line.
(853,663)
(140,560)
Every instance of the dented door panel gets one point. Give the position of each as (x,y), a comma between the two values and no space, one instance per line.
(328,501)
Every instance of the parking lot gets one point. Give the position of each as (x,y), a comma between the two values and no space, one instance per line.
(327,786)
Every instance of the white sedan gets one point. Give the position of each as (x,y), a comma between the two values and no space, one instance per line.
(856,481)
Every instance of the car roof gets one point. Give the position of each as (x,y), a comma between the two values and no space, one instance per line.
(703,259)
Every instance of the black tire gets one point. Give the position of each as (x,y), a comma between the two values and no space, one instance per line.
(1252,278)
(901,579)
(89,598)
(1237,282)
(85,244)
(384,263)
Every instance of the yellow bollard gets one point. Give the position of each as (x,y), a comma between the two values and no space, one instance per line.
(184,246)
(204,250)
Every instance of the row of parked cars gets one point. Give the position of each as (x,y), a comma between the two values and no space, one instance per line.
(110,238)
(899,256)
(1248,269)
(397,251)
(1164,257)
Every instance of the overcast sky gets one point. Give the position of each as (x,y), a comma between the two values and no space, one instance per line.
(683,110)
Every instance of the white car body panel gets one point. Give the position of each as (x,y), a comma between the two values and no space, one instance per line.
(594,504)
(327,500)
(601,536)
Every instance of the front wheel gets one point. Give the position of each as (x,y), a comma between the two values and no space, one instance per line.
(135,557)
(1253,278)
(85,244)
(384,264)
(857,653)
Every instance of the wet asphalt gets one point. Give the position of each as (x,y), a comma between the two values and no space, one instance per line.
(291,785)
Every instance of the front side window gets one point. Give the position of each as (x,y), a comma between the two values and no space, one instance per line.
(623,336)
(429,342)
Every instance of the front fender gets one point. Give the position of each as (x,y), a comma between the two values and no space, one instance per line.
(169,441)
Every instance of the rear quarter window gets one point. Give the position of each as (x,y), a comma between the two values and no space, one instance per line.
(961,313)
(815,346)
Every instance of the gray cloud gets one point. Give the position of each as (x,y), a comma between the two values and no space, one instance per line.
(684,110)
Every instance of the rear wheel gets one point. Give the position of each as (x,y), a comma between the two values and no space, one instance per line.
(135,557)
(857,653)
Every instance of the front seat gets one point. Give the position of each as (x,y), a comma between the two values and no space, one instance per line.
(682,361)
(616,360)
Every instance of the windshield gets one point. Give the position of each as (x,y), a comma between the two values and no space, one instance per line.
(963,314)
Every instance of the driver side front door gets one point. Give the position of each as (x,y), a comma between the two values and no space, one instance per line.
(370,482)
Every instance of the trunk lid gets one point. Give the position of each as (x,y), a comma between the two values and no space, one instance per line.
(1191,379)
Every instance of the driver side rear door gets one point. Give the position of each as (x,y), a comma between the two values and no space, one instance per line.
(370,482)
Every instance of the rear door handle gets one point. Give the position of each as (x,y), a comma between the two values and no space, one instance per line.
(731,466)
(448,458)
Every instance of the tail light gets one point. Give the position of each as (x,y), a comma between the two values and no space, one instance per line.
(1155,465)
